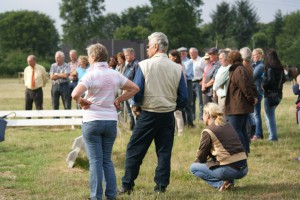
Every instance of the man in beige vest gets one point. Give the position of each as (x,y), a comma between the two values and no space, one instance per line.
(162,91)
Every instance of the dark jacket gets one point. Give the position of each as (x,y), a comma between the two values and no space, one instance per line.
(241,91)
(131,69)
(273,81)
(220,145)
(296,91)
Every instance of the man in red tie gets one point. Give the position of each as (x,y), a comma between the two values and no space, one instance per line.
(35,78)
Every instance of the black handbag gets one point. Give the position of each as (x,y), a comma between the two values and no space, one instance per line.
(273,98)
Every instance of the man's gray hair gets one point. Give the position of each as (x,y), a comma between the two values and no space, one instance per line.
(60,53)
(246,54)
(73,51)
(194,49)
(130,51)
(159,38)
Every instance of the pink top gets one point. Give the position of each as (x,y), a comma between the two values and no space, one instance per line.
(102,84)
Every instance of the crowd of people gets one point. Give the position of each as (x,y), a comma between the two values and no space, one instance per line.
(161,95)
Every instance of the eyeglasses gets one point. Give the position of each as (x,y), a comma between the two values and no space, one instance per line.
(149,46)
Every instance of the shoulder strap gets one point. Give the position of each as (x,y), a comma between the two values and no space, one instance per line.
(209,132)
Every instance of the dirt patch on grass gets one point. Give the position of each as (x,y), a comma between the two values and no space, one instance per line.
(11,194)
(8,175)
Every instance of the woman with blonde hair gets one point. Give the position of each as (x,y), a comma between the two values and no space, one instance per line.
(221,157)
(258,71)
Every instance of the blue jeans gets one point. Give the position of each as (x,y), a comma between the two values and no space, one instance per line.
(197,93)
(270,120)
(257,117)
(99,137)
(216,176)
(150,126)
(239,123)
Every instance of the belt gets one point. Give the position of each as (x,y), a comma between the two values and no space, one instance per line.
(222,97)
(61,84)
(34,89)
(237,167)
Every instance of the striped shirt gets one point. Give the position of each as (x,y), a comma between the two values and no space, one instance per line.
(102,84)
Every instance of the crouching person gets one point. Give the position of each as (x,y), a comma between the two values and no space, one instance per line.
(221,157)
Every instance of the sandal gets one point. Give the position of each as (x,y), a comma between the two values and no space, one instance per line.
(226,185)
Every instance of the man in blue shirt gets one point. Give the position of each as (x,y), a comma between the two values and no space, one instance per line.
(189,67)
(129,72)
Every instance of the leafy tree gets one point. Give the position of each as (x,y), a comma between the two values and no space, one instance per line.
(131,33)
(135,24)
(276,28)
(12,62)
(245,22)
(178,19)
(261,38)
(28,31)
(138,16)
(288,42)
(112,21)
(82,21)
(222,22)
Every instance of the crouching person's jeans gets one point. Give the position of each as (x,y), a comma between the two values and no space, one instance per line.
(216,176)
(99,137)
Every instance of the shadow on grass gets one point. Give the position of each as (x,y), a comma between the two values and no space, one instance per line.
(268,191)
(82,162)
(259,191)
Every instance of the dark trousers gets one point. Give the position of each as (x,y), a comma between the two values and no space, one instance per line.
(197,93)
(239,123)
(35,96)
(72,85)
(208,99)
(63,91)
(150,126)
(130,114)
(188,112)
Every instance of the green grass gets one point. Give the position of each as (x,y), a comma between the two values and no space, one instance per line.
(32,161)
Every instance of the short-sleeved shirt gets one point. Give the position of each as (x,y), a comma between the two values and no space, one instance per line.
(81,71)
(102,84)
(64,68)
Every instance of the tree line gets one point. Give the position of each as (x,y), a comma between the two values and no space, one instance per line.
(232,25)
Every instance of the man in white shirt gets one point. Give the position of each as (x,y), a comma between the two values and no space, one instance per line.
(198,67)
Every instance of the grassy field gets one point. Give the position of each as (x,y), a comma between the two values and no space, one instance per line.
(33,167)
